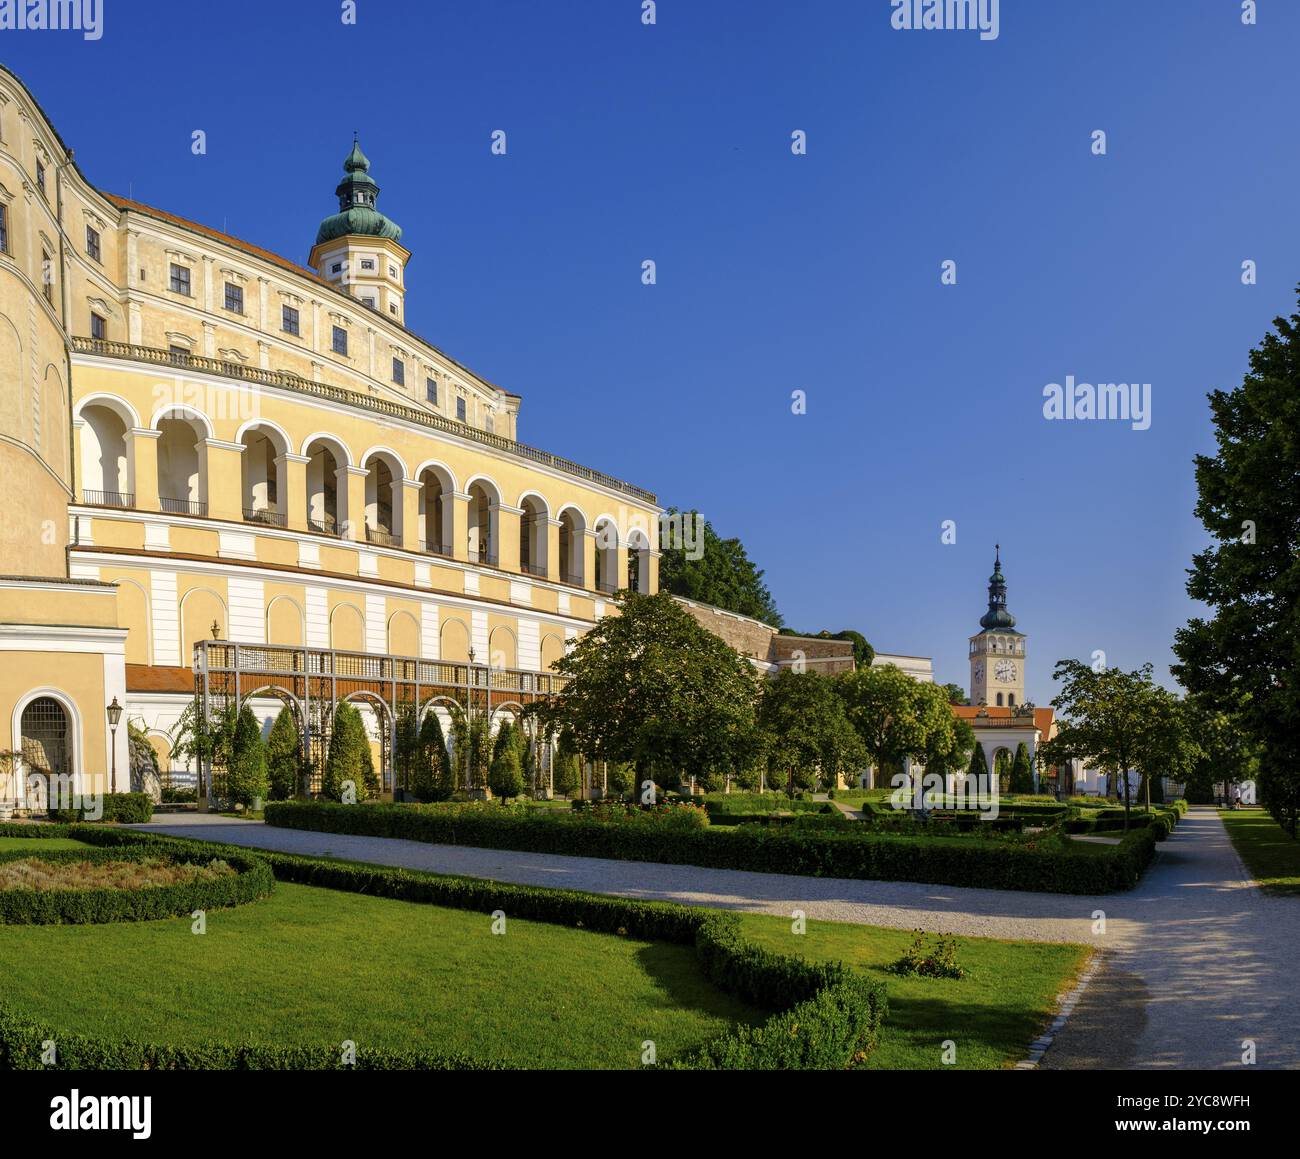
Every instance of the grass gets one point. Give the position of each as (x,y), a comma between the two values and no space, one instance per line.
(36,844)
(1008,995)
(41,875)
(1272,857)
(316,965)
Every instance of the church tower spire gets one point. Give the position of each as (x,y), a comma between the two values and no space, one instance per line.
(997,651)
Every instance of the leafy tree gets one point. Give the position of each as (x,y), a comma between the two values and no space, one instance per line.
(723,576)
(1166,746)
(350,758)
(407,755)
(653,688)
(956,693)
(434,779)
(284,757)
(207,742)
(506,777)
(1244,659)
(246,779)
(863,652)
(1022,772)
(898,717)
(566,773)
(479,737)
(460,754)
(979,768)
(805,731)
(1226,751)
(947,754)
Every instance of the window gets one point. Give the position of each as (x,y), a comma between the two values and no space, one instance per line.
(367,263)
(47,276)
(40,175)
(180,281)
(392,308)
(460,409)
(288,319)
(4,229)
(340,340)
(98,327)
(431,390)
(178,353)
(234,298)
(92,243)
(336,268)
(369,302)
(392,272)
(399,372)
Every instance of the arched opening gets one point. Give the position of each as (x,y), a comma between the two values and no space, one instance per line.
(606,556)
(383,499)
(105,475)
(533,527)
(1000,704)
(484,509)
(264,500)
(46,748)
(453,642)
(638,562)
(323,466)
(503,649)
(552,650)
(573,530)
(347,629)
(180,478)
(1011,699)
(436,490)
(284,622)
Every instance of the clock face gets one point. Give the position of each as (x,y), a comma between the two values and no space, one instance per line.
(1005,671)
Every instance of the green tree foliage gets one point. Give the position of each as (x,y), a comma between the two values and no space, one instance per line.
(206,741)
(956,693)
(979,768)
(350,757)
(1022,772)
(1117,722)
(407,754)
(246,779)
(1226,753)
(805,732)
(567,772)
(653,688)
(863,652)
(479,738)
(460,754)
(1244,659)
(723,576)
(897,717)
(434,778)
(950,753)
(506,776)
(284,757)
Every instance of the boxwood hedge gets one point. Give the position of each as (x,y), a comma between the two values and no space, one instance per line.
(851,851)
(123,808)
(829,1015)
(251,880)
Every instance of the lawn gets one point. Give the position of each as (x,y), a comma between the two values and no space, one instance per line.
(36,844)
(315,965)
(1272,857)
(1007,997)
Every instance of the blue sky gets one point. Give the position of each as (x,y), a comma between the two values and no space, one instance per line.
(778,273)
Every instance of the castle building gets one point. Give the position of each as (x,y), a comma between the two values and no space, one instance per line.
(228,473)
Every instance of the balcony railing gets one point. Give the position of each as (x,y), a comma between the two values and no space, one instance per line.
(325,525)
(483,555)
(607,586)
(288,381)
(440,549)
(123,499)
(382,537)
(568,577)
(265,515)
(537,569)
(197,507)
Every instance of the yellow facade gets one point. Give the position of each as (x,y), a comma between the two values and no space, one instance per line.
(213,442)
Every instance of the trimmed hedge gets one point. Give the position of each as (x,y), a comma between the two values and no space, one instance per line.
(833,1024)
(251,880)
(123,808)
(842,851)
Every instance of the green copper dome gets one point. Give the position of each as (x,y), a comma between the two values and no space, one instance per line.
(357,194)
(997,618)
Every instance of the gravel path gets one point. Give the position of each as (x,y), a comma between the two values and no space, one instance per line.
(1198,960)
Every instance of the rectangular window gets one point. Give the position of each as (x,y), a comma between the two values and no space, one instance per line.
(369,302)
(336,268)
(392,272)
(234,298)
(180,281)
(4,229)
(47,276)
(460,409)
(340,340)
(92,243)
(40,175)
(399,372)
(289,320)
(98,327)
(367,263)
(392,308)
(431,390)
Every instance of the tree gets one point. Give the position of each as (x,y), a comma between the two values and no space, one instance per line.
(566,773)
(207,741)
(1226,752)
(479,744)
(897,717)
(653,688)
(956,693)
(979,769)
(946,754)
(863,652)
(1118,722)
(246,779)
(506,776)
(1244,658)
(1022,772)
(805,732)
(407,754)
(350,758)
(1166,747)
(434,778)
(284,757)
(460,764)
(723,575)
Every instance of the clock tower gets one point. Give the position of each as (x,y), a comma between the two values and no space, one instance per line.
(997,653)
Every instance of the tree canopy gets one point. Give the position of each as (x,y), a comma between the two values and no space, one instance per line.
(723,576)
(897,717)
(805,731)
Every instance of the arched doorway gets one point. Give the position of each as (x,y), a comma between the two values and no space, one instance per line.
(46,747)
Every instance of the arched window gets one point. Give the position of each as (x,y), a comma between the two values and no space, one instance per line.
(1011,699)
(46,750)
(999,700)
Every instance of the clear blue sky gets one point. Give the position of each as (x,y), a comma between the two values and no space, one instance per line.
(777,273)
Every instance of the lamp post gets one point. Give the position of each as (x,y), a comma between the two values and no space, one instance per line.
(114,711)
